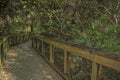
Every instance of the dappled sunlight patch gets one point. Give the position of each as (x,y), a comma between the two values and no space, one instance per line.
(4,75)
(10,61)
(12,54)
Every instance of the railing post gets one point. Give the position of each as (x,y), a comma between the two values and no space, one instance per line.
(99,71)
(2,53)
(95,69)
(0,58)
(7,44)
(17,39)
(65,61)
(5,48)
(38,43)
(21,38)
(43,49)
(51,54)
(35,43)
(32,42)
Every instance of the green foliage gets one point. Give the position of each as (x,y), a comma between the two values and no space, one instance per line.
(94,23)
(101,37)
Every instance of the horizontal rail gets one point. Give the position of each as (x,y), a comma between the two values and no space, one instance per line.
(96,57)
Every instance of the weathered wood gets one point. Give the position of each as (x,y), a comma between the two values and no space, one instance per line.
(38,45)
(97,60)
(65,62)
(53,65)
(51,54)
(99,71)
(33,42)
(94,71)
(15,39)
(0,58)
(43,49)
(111,63)
(103,60)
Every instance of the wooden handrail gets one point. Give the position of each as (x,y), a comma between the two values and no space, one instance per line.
(97,57)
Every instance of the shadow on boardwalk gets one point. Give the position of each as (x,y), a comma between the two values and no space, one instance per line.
(23,63)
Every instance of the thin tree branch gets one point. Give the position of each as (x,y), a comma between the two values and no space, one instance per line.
(107,10)
(106,16)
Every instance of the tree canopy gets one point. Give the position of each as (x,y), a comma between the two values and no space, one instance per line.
(95,23)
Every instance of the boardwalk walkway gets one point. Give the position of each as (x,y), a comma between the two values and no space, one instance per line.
(23,63)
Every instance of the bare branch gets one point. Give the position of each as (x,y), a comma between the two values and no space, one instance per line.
(107,10)
(106,15)
(118,4)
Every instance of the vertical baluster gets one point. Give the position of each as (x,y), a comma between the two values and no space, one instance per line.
(5,48)
(95,69)
(20,38)
(24,37)
(99,71)
(65,61)
(2,52)
(9,40)
(51,54)
(13,41)
(17,39)
(32,41)
(7,45)
(0,58)
(43,49)
(36,44)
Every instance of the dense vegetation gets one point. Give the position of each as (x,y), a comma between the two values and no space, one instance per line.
(94,23)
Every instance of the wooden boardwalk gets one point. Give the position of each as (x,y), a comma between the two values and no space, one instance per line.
(23,63)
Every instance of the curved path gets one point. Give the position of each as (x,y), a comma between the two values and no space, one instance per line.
(23,63)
